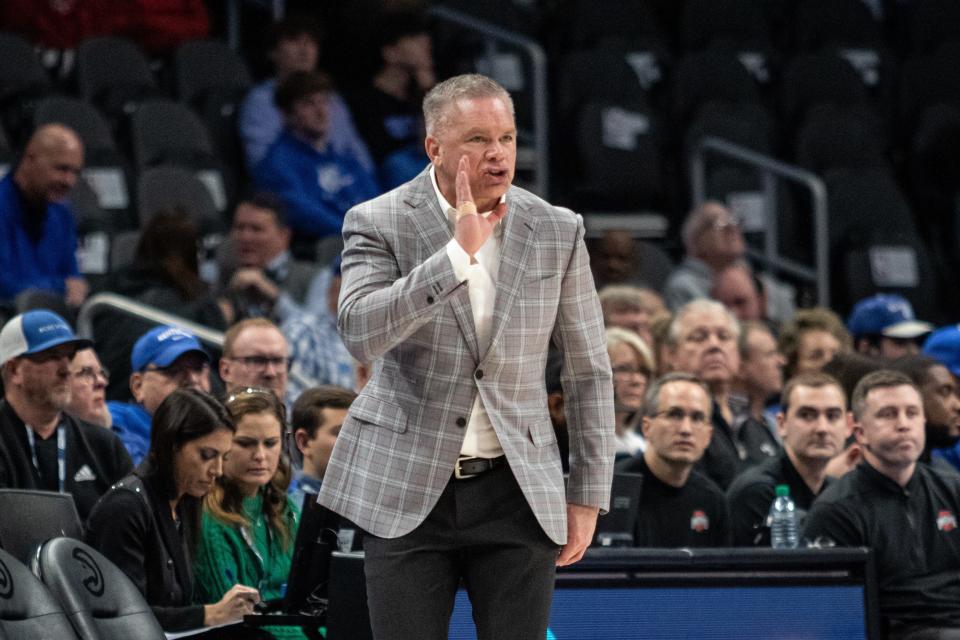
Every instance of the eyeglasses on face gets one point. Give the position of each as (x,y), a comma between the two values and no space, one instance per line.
(262,362)
(90,374)
(629,370)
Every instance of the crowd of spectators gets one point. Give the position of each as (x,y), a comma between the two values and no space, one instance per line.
(724,388)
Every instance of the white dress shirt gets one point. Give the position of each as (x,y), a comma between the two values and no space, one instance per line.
(480,440)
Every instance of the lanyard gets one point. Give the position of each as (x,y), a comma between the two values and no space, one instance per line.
(61,453)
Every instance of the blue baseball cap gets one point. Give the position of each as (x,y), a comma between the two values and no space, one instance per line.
(162,345)
(886,315)
(943,345)
(36,331)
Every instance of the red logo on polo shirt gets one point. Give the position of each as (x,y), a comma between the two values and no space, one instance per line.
(946,521)
(699,521)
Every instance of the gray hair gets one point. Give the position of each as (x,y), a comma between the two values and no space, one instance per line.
(651,401)
(617,335)
(437,102)
(700,305)
(699,220)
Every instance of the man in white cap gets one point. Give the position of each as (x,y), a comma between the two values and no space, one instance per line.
(884,326)
(41,447)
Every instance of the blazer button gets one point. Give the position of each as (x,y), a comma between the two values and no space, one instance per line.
(461,422)
(169,562)
(478,374)
(429,299)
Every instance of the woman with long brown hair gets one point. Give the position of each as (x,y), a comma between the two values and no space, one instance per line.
(249,524)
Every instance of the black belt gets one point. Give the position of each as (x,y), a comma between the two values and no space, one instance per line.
(467,468)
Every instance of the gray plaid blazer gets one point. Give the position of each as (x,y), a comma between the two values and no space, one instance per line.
(403,309)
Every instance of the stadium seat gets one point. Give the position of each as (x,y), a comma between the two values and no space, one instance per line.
(32,517)
(933,23)
(835,136)
(101,602)
(824,23)
(167,187)
(708,75)
(23,81)
(592,21)
(115,75)
(27,608)
(816,78)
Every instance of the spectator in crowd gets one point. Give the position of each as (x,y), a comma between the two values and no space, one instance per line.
(388,110)
(617,258)
(903,510)
(740,291)
(632,365)
(258,274)
(249,522)
(760,380)
(941,409)
(294,46)
(38,233)
(811,340)
(255,354)
(679,507)
(317,351)
(164,274)
(318,414)
(88,384)
(164,359)
(659,332)
(630,308)
(703,341)
(943,345)
(712,241)
(148,524)
(316,183)
(41,447)
(813,424)
(884,326)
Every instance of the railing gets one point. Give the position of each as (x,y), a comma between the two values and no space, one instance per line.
(540,160)
(114,302)
(770,169)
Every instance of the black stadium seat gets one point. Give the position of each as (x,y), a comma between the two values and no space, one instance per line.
(100,600)
(32,517)
(23,81)
(27,608)
(713,74)
(811,79)
(114,74)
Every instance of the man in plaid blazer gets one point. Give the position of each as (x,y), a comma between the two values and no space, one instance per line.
(448,458)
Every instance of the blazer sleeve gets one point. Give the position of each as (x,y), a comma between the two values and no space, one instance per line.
(587,382)
(379,307)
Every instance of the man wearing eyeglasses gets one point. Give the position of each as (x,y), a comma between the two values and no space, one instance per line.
(88,384)
(41,447)
(255,354)
(679,507)
(164,359)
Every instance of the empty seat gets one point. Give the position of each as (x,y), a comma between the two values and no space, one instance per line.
(114,74)
(101,602)
(32,517)
(927,80)
(27,608)
(208,66)
(933,23)
(23,81)
(822,23)
(934,161)
(746,124)
(713,74)
(168,187)
(811,79)
(707,22)
(834,136)
(592,21)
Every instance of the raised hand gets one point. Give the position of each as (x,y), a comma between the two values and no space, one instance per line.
(472,229)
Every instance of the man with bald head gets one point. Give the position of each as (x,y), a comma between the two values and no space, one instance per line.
(38,234)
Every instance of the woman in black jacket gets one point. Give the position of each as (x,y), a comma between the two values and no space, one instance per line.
(148,524)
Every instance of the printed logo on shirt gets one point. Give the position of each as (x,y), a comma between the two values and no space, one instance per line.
(946,521)
(699,521)
(85,474)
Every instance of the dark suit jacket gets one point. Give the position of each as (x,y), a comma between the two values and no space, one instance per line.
(99,449)
(139,536)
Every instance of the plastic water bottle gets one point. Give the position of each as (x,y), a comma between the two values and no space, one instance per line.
(783,520)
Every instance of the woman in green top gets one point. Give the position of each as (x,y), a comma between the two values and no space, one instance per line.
(249,524)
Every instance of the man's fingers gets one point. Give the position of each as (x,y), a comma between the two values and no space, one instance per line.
(464,194)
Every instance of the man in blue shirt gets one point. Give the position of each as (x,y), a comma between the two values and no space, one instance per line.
(317,183)
(164,359)
(38,233)
(317,417)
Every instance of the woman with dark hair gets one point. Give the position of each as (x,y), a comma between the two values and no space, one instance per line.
(249,523)
(148,524)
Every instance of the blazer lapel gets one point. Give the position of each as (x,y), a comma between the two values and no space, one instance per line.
(518,236)
(435,231)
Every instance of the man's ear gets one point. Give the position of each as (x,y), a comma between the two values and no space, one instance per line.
(432,147)
(854,428)
(782,425)
(301,439)
(136,385)
(645,426)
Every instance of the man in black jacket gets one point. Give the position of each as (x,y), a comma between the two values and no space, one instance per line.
(41,447)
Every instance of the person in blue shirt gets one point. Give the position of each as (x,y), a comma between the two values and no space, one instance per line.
(317,183)
(317,417)
(38,233)
(164,359)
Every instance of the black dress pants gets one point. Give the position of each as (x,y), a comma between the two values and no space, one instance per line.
(481,532)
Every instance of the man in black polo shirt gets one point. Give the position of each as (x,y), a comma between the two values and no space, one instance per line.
(813,424)
(901,508)
(41,447)
(679,507)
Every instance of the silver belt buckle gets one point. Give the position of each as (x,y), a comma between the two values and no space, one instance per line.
(457,473)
